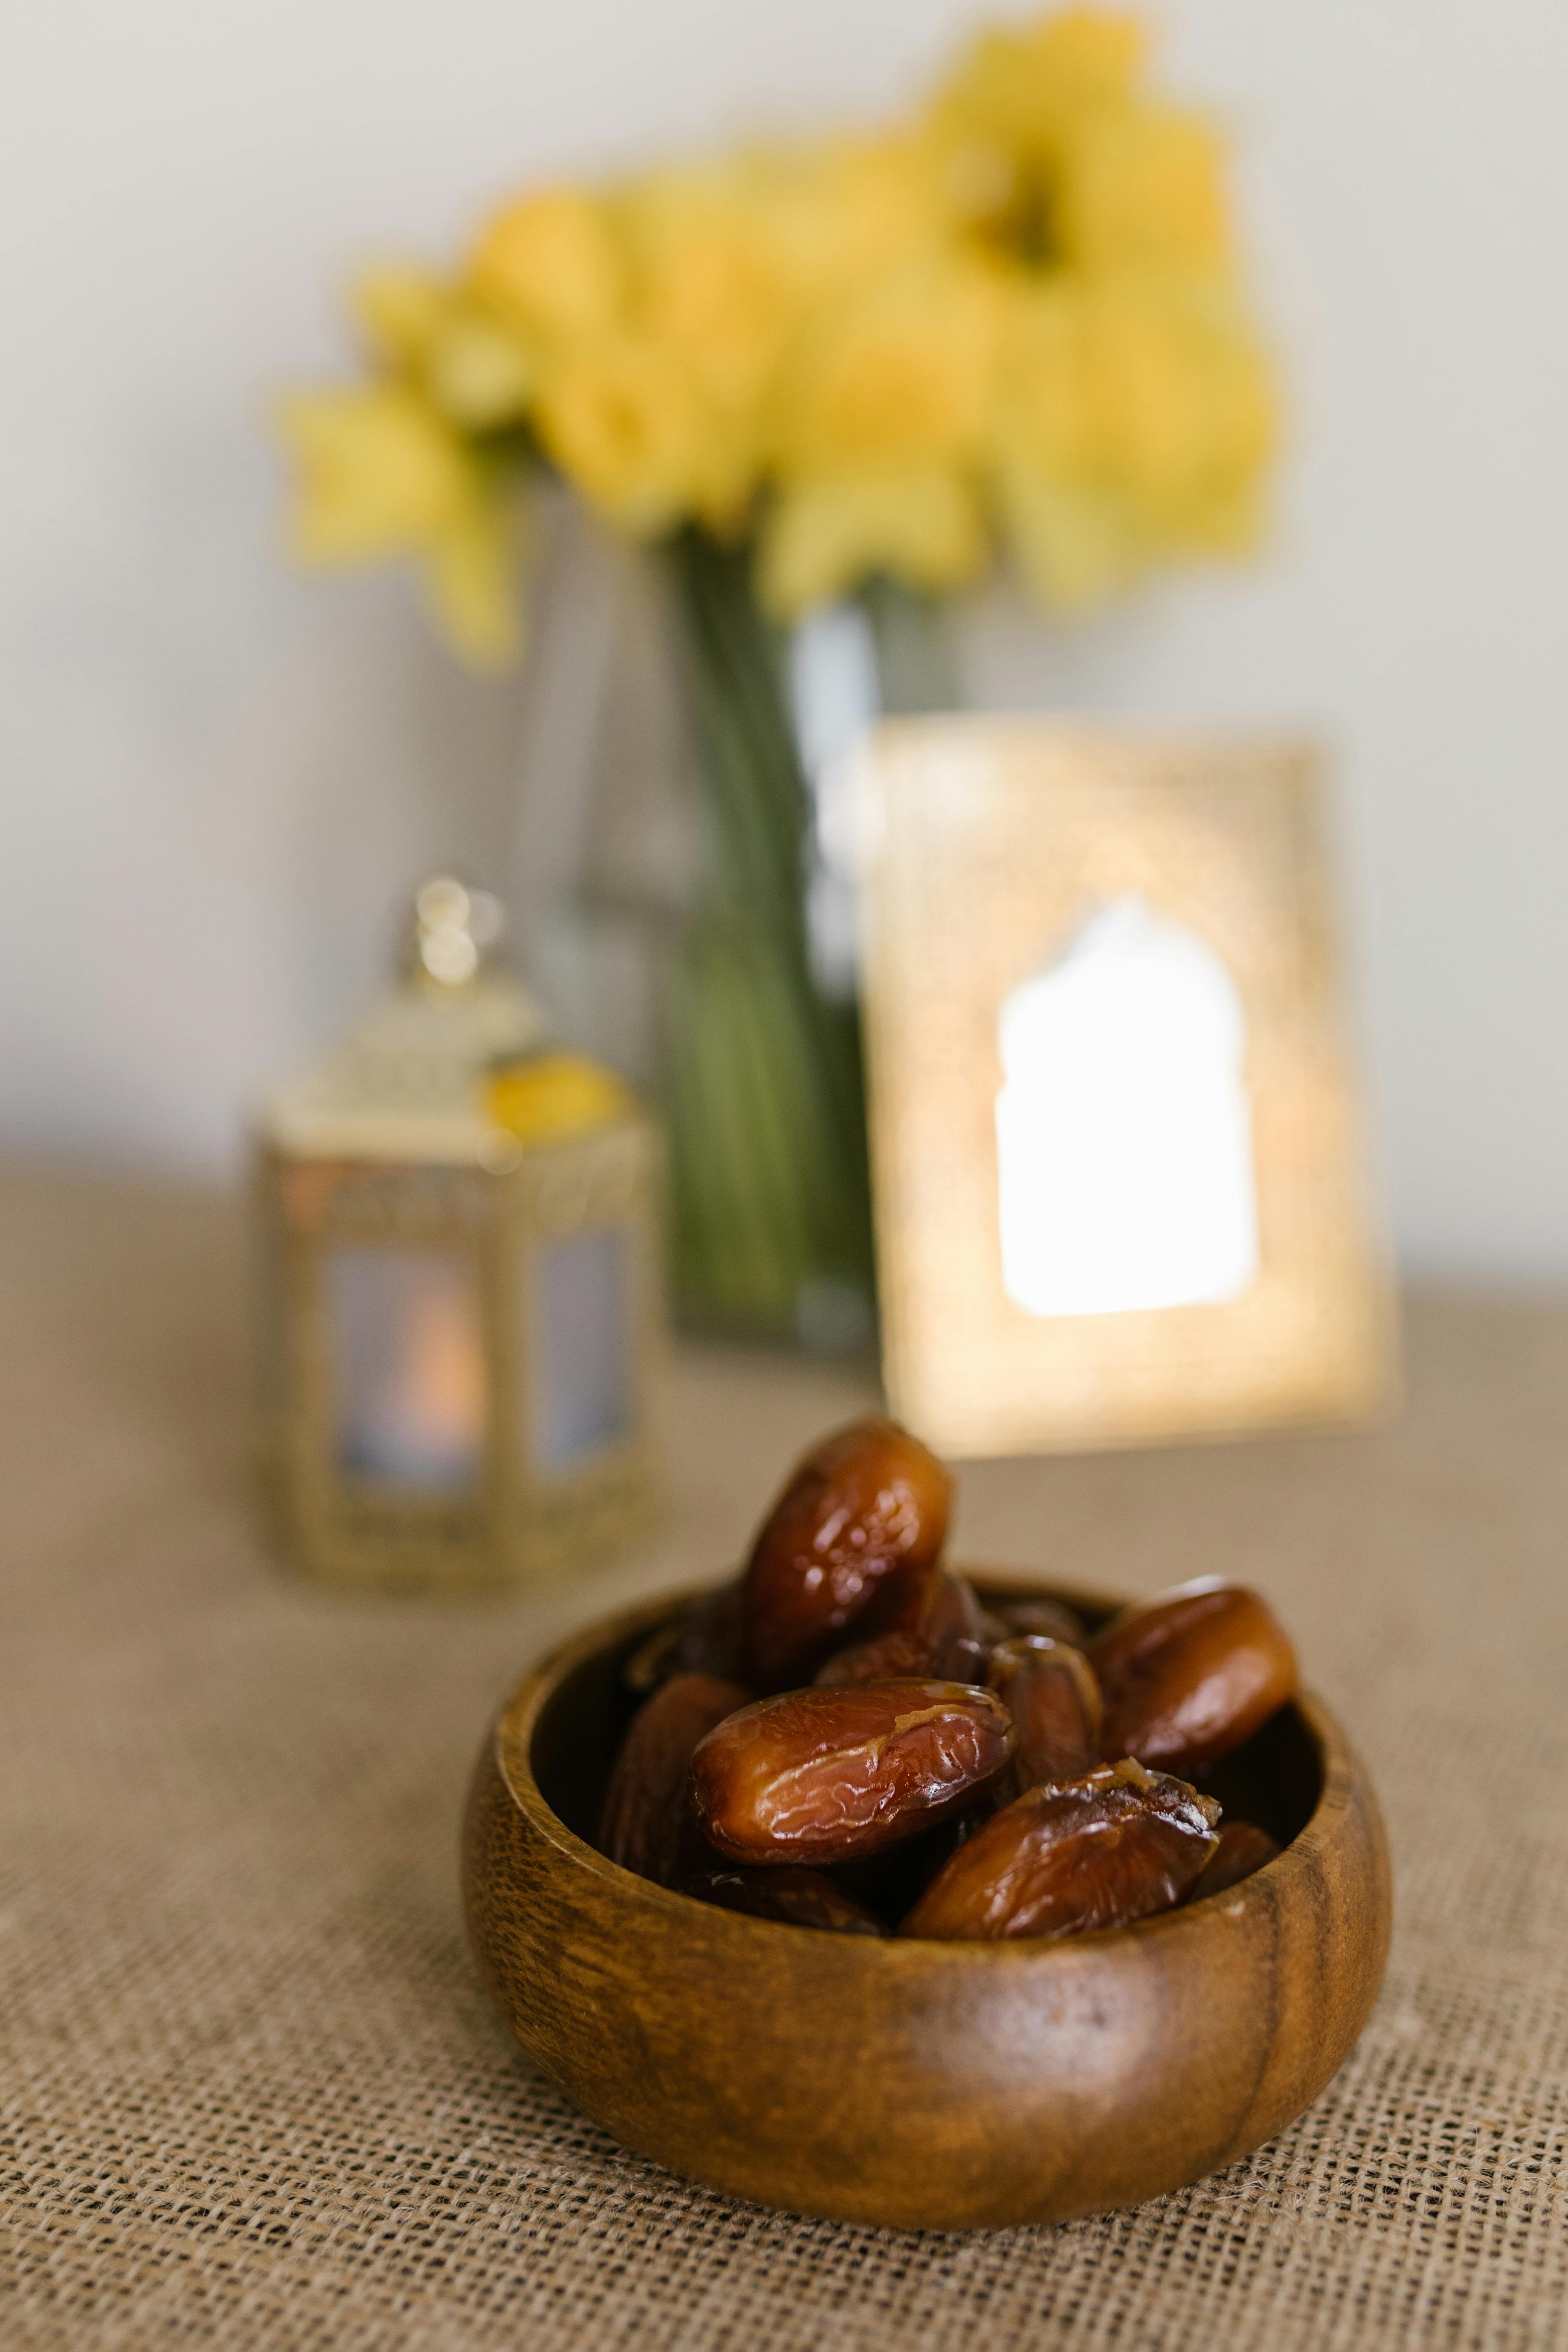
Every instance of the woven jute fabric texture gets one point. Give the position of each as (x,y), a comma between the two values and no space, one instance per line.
(251,2093)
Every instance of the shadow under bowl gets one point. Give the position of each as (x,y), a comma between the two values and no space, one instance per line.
(923,2086)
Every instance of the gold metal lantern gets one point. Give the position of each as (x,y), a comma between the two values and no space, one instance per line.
(460,1315)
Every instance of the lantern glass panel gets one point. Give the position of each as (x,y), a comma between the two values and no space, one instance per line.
(409,1388)
(580,1352)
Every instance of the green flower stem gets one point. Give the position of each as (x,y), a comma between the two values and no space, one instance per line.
(771,1183)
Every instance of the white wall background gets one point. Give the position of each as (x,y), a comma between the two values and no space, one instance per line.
(219,777)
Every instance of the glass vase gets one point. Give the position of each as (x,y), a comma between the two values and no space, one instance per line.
(764,1095)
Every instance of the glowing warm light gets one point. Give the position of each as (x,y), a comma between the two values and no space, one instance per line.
(1123,1130)
(409,1362)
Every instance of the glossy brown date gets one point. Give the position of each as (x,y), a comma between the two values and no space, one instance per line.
(653,1661)
(1189,1676)
(795,1898)
(921,1622)
(705,1639)
(820,1776)
(1243,1848)
(867,1501)
(886,1657)
(647,1824)
(1053,1699)
(1115,1846)
(1053,1619)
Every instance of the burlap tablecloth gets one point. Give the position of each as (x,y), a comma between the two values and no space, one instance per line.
(252,2095)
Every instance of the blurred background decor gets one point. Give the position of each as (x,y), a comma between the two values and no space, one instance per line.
(1121,1192)
(828,380)
(459,1289)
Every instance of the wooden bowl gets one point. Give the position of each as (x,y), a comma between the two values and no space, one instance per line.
(925,2086)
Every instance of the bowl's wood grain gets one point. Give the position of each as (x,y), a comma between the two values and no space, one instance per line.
(925,2086)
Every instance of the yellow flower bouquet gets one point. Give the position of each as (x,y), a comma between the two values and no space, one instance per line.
(1008,327)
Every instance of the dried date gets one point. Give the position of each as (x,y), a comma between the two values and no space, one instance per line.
(795,1897)
(653,1661)
(824,1776)
(1243,1848)
(1191,1674)
(1054,1703)
(922,1622)
(647,1824)
(1053,1619)
(1118,1845)
(886,1657)
(866,1502)
(710,1640)
(704,1640)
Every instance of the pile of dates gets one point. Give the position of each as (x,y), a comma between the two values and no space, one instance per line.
(846,1738)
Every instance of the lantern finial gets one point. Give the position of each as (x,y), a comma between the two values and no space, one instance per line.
(452,927)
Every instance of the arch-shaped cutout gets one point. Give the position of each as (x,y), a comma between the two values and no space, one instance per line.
(1123,1127)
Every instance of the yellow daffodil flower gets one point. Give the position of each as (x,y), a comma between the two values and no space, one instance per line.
(1075,534)
(470,579)
(400,309)
(620,420)
(552,265)
(1134,420)
(1188,406)
(1013,316)
(477,372)
(848,211)
(1140,189)
(379,473)
(714,285)
(472,364)
(900,374)
(1045,391)
(714,293)
(1077,543)
(1022,89)
(920,524)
